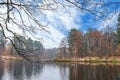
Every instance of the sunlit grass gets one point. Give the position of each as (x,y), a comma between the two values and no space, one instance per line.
(90,60)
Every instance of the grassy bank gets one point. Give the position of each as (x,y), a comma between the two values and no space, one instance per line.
(21,58)
(11,58)
(84,59)
(90,60)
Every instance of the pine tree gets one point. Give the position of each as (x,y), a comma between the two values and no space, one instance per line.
(118,30)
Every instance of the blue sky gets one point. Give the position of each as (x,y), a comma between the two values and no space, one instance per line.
(60,21)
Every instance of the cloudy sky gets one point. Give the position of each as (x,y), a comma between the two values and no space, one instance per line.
(61,20)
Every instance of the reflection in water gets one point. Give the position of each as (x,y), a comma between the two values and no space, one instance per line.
(94,72)
(6,73)
(64,72)
(21,70)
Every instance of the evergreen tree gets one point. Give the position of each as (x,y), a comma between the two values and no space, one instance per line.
(75,42)
(2,42)
(118,30)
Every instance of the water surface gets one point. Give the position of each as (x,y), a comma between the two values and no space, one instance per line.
(22,70)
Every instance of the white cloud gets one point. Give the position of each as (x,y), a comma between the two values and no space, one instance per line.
(65,18)
(69,20)
(52,39)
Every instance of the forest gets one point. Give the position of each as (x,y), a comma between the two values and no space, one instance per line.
(93,43)
(27,46)
(74,39)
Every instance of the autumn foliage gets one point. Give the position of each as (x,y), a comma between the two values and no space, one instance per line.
(94,43)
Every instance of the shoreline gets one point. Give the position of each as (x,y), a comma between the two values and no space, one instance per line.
(84,59)
(11,58)
(90,60)
(34,59)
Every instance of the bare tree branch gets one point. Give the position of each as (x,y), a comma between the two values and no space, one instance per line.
(29,23)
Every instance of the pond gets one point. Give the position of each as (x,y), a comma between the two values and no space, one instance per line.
(22,70)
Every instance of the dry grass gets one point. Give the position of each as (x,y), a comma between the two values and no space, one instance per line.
(90,59)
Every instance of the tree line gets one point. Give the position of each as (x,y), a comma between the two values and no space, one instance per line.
(93,43)
(26,46)
(13,11)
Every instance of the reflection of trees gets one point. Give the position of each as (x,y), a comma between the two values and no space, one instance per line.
(37,68)
(1,69)
(22,69)
(5,71)
(94,72)
(74,75)
(18,70)
(64,71)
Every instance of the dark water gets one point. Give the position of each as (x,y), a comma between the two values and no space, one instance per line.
(21,70)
